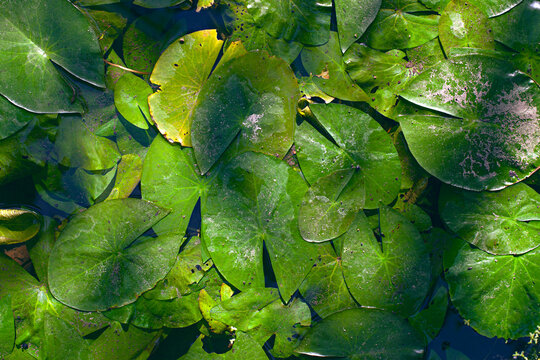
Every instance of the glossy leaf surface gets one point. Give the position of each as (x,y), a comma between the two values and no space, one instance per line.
(500,223)
(18,225)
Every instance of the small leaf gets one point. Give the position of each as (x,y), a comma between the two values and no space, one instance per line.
(353,18)
(131,99)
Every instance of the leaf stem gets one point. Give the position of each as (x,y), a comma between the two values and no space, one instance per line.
(125,68)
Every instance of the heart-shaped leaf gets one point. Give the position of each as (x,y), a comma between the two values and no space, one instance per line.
(494,138)
(261,113)
(32,38)
(399,26)
(102,259)
(305,21)
(500,223)
(391,274)
(362,334)
(255,200)
(180,72)
(499,295)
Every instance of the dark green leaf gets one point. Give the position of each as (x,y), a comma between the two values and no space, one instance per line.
(100,259)
(500,223)
(493,141)
(261,113)
(362,334)
(353,18)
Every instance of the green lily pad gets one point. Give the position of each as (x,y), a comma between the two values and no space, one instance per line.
(131,99)
(353,18)
(170,178)
(62,341)
(18,225)
(37,313)
(324,288)
(398,26)
(262,113)
(500,223)
(494,138)
(362,334)
(32,38)
(381,75)
(495,7)
(426,55)
(244,347)
(238,19)
(304,21)
(180,72)
(260,313)
(325,64)
(7,326)
(391,274)
(255,200)
(109,26)
(356,170)
(464,25)
(111,264)
(76,146)
(499,295)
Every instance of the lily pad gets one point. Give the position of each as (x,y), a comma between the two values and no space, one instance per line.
(243,27)
(499,295)
(400,24)
(381,75)
(37,312)
(180,72)
(255,200)
(305,21)
(391,274)
(356,170)
(325,64)
(500,223)
(170,178)
(262,113)
(76,146)
(29,77)
(100,259)
(260,313)
(494,135)
(18,225)
(131,99)
(464,25)
(353,18)
(495,7)
(362,334)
